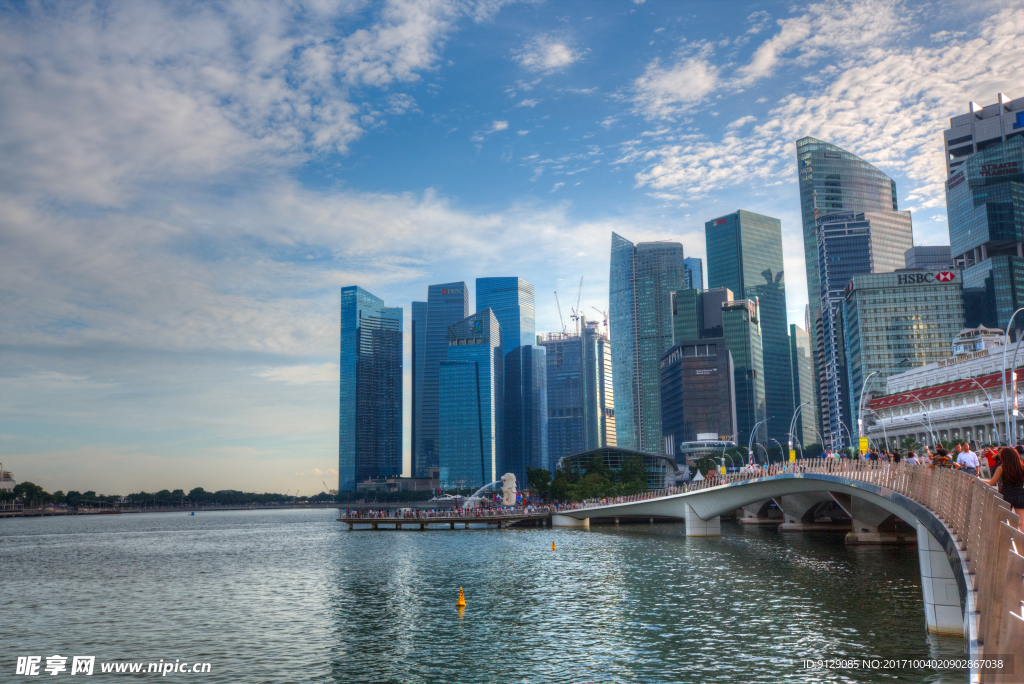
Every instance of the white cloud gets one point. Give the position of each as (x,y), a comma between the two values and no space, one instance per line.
(664,92)
(498,126)
(556,186)
(528,103)
(522,132)
(546,53)
(301,375)
(742,121)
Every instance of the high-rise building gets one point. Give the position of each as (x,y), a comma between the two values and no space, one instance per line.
(803,386)
(525,412)
(447,304)
(511,300)
(419,351)
(892,322)
(581,401)
(931,257)
(742,335)
(985,208)
(698,313)
(370,410)
(838,187)
(693,273)
(697,393)
(745,256)
(470,402)
(982,128)
(642,280)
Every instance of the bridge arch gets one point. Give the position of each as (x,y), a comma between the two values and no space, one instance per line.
(949,603)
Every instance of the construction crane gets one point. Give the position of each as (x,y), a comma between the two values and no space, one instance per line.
(560,312)
(605,314)
(576,313)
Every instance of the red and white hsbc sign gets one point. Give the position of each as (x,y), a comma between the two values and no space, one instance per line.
(924,278)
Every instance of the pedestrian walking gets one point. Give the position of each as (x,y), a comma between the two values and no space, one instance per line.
(1010,472)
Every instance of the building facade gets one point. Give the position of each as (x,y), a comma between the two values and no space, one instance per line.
(447,304)
(931,257)
(985,207)
(958,398)
(525,428)
(642,279)
(804,395)
(982,128)
(370,395)
(471,393)
(745,256)
(511,300)
(698,313)
(836,183)
(896,321)
(693,273)
(697,393)
(742,335)
(581,399)
(418,360)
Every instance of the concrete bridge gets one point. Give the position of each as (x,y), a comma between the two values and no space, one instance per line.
(969,547)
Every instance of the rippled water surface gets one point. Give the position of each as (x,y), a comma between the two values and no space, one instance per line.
(293,596)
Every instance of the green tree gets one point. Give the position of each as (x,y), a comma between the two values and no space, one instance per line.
(632,476)
(540,480)
(32,494)
(910,443)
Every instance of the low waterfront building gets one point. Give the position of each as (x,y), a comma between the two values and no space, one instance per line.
(706,444)
(7,483)
(956,398)
(661,469)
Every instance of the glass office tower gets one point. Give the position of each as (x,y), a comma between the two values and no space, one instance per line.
(525,412)
(985,206)
(470,392)
(642,279)
(745,256)
(742,336)
(888,317)
(693,273)
(511,300)
(581,401)
(447,304)
(370,407)
(419,350)
(806,426)
(834,181)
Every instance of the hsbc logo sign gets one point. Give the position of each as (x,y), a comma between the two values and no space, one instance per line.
(924,278)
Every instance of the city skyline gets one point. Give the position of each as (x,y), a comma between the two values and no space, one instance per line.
(176,231)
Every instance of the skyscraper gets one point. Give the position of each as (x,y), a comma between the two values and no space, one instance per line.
(985,206)
(982,128)
(837,187)
(697,393)
(370,406)
(693,273)
(580,405)
(511,300)
(419,351)
(470,393)
(698,313)
(803,386)
(742,335)
(447,304)
(745,256)
(642,279)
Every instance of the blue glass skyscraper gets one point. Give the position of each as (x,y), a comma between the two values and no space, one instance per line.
(511,300)
(419,351)
(370,396)
(642,280)
(447,304)
(470,402)
(693,273)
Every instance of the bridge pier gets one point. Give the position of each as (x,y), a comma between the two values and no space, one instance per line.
(799,512)
(871,524)
(695,527)
(757,514)
(941,595)
(568,521)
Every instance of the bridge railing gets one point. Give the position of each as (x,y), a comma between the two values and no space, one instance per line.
(980,521)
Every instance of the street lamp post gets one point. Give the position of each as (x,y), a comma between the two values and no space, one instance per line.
(884,435)
(1006,404)
(843,426)
(792,424)
(924,412)
(863,389)
(991,411)
(750,441)
(770,439)
(799,444)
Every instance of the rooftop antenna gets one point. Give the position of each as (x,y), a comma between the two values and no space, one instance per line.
(560,312)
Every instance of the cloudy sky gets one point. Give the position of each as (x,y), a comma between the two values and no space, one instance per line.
(184,187)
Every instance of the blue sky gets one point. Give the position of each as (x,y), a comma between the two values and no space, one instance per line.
(184,187)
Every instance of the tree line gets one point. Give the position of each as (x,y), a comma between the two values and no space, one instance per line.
(596,480)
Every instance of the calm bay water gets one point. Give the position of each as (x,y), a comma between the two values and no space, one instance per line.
(293,596)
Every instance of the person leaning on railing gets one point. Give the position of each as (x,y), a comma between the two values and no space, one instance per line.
(941,460)
(1010,473)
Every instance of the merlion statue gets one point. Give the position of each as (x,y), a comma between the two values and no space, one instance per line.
(508,489)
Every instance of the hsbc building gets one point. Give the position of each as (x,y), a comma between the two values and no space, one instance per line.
(911,314)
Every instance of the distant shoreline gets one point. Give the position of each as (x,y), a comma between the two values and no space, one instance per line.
(49,513)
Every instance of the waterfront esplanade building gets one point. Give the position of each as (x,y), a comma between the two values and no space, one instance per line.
(661,469)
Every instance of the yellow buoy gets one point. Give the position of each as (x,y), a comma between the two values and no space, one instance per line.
(462,599)
(552,546)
